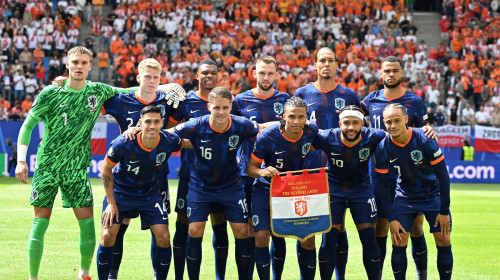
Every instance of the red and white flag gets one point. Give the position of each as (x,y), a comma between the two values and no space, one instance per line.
(452,135)
(487,139)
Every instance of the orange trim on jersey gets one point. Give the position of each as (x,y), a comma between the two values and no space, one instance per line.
(291,140)
(254,91)
(438,160)
(316,85)
(388,98)
(110,162)
(138,136)
(182,143)
(103,111)
(220,131)
(382,171)
(349,145)
(142,101)
(170,119)
(402,145)
(201,97)
(256,158)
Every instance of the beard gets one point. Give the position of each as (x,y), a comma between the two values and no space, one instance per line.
(351,139)
(398,82)
(262,87)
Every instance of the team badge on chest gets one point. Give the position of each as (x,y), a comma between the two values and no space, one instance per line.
(92,102)
(278,108)
(305,148)
(364,154)
(233,141)
(160,158)
(339,103)
(416,156)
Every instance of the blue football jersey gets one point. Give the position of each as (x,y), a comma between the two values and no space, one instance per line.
(260,110)
(215,166)
(323,109)
(413,163)
(273,148)
(374,103)
(348,164)
(126,108)
(139,171)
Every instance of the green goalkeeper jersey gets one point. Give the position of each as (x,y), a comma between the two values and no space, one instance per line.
(69,116)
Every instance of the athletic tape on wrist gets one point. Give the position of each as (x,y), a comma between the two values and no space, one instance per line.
(22,151)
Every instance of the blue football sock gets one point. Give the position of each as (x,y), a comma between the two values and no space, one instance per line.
(179,249)
(251,241)
(326,253)
(117,252)
(193,257)
(220,242)
(371,255)
(263,262)
(444,262)
(242,255)
(382,248)
(163,257)
(309,264)
(419,253)
(104,259)
(298,248)
(154,247)
(342,251)
(278,255)
(399,262)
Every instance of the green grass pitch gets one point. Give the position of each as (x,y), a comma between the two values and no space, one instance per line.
(475,238)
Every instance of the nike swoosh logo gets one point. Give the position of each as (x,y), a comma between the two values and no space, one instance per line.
(448,271)
(89,199)
(191,259)
(334,154)
(100,263)
(165,218)
(131,112)
(251,109)
(117,253)
(245,216)
(309,104)
(164,263)
(205,141)
(277,153)
(373,215)
(376,260)
(245,256)
(420,253)
(343,252)
(393,160)
(134,161)
(267,264)
(192,112)
(311,267)
(396,272)
(62,105)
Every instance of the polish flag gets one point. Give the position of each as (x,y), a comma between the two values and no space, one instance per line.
(487,139)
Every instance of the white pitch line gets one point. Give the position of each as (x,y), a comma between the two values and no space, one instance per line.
(31,209)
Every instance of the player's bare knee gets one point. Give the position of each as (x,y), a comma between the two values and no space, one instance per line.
(442,240)
(107,237)
(163,239)
(308,244)
(365,226)
(262,238)
(217,218)
(183,219)
(84,213)
(240,230)
(382,228)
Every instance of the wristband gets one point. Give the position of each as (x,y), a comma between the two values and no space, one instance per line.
(22,151)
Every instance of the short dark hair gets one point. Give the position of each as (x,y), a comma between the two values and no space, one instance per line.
(393,59)
(267,59)
(151,109)
(293,102)
(220,92)
(207,61)
(323,49)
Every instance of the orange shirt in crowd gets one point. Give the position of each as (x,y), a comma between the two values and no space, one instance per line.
(26,105)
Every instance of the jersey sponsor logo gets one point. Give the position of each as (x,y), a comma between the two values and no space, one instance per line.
(300,207)
(111,152)
(62,105)
(92,102)
(233,141)
(181,203)
(416,156)
(306,148)
(364,154)
(251,109)
(34,194)
(162,108)
(160,158)
(255,220)
(339,103)
(278,108)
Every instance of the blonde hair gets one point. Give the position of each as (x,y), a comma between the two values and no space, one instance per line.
(80,50)
(150,63)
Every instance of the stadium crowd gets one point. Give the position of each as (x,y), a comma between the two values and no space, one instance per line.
(458,79)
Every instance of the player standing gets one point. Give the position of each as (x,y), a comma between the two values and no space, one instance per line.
(349,149)
(261,104)
(136,186)
(324,99)
(373,104)
(196,105)
(215,177)
(424,186)
(282,147)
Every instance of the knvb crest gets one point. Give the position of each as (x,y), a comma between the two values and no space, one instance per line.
(255,220)
(364,154)
(301,207)
(233,141)
(339,103)
(416,156)
(92,102)
(278,108)
(160,158)
(305,148)
(162,108)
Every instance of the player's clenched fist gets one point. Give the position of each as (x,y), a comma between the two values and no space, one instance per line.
(22,171)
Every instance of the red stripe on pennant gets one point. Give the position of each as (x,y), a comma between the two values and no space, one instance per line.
(487,145)
(98,146)
(299,185)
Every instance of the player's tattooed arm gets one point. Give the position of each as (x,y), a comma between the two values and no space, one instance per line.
(111,212)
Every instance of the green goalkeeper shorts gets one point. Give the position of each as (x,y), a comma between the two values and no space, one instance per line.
(76,191)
